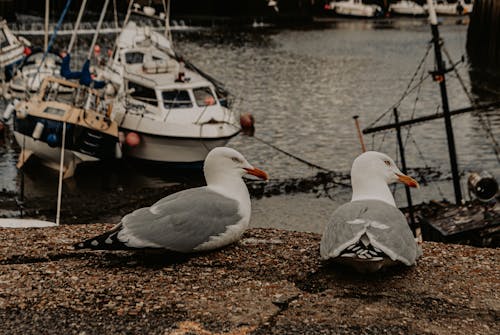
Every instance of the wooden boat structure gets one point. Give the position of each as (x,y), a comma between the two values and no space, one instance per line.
(475,222)
(78,123)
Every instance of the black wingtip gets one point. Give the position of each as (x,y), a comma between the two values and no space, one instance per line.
(106,241)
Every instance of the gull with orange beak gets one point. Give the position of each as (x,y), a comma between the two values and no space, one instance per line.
(192,220)
(370,232)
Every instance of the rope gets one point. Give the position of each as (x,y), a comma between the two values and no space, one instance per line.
(98,28)
(52,38)
(485,124)
(408,89)
(302,160)
(426,164)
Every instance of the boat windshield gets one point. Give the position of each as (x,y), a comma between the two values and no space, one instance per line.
(203,96)
(176,99)
(143,93)
(134,57)
(54,111)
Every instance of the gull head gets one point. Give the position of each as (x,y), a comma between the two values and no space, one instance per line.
(376,165)
(223,162)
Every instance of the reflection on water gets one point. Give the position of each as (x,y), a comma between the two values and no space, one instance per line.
(303,86)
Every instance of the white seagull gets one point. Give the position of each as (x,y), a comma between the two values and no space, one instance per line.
(192,220)
(370,231)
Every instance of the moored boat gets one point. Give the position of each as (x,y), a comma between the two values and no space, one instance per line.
(444,7)
(355,8)
(407,7)
(11,50)
(171,112)
(79,123)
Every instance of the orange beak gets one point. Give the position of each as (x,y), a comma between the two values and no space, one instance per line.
(407,180)
(257,173)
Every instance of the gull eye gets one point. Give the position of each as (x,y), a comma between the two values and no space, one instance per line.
(236,160)
(388,163)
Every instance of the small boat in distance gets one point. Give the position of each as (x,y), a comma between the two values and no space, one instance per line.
(89,133)
(355,8)
(11,50)
(407,7)
(443,7)
(170,111)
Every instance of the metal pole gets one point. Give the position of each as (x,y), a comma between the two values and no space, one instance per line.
(403,165)
(440,76)
(61,171)
(98,28)
(46,35)
(360,134)
(77,26)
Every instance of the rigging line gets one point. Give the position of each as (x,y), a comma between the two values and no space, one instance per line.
(52,38)
(302,160)
(407,90)
(292,155)
(384,136)
(417,97)
(484,124)
(426,164)
(398,103)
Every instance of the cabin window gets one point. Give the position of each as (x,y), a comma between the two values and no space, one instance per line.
(204,96)
(4,42)
(176,99)
(134,57)
(142,93)
(54,111)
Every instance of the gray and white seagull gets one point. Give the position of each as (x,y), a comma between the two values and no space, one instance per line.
(370,232)
(192,220)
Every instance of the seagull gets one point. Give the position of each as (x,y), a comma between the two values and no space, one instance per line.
(192,220)
(370,232)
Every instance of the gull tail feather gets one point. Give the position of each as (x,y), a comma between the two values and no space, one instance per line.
(106,241)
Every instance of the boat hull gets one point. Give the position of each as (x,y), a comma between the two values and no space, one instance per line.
(356,11)
(51,156)
(172,149)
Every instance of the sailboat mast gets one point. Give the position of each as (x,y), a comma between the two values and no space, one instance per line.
(77,26)
(439,76)
(46,34)
(98,28)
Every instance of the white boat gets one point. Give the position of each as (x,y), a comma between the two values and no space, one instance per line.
(31,73)
(407,7)
(90,134)
(37,65)
(11,49)
(354,8)
(457,8)
(167,110)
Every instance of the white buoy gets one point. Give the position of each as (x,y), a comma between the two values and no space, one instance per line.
(118,151)
(37,132)
(10,108)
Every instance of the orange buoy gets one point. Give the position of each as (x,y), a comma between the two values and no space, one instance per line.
(132,139)
(247,124)
(27,51)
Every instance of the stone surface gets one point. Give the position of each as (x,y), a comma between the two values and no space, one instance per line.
(271,282)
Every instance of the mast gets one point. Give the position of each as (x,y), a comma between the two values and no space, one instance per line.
(46,35)
(77,26)
(439,76)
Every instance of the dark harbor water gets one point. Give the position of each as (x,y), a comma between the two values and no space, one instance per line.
(303,86)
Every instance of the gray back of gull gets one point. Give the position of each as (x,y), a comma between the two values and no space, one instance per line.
(184,220)
(385,226)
